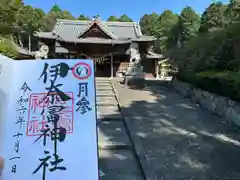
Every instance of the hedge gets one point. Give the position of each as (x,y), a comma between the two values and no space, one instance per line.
(222,83)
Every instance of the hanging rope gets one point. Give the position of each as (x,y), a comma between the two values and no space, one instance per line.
(100,59)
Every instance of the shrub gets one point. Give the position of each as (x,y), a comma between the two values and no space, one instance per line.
(7,48)
(218,49)
(222,83)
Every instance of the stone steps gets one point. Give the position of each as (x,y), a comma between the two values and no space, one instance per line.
(112,135)
(115,150)
(110,129)
(105,93)
(103,88)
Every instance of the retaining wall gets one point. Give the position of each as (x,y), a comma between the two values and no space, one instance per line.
(221,106)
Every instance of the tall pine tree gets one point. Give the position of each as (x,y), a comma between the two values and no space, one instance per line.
(166,21)
(212,17)
(189,23)
(149,24)
(233,12)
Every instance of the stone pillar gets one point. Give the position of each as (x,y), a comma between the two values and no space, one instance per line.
(112,70)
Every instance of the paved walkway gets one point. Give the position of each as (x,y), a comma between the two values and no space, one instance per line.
(177,140)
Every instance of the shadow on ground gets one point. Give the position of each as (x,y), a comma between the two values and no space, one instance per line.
(174,138)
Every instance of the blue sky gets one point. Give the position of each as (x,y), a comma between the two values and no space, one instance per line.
(133,8)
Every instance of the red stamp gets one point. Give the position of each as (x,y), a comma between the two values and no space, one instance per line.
(37,113)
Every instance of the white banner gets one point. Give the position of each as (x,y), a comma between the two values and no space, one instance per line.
(49,120)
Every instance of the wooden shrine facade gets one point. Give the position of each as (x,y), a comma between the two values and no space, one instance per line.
(107,43)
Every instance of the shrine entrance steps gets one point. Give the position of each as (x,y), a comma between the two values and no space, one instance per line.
(117,158)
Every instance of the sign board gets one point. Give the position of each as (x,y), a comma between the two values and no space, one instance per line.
(49,120)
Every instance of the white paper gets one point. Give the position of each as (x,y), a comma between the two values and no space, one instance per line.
(6,69)
(75,154)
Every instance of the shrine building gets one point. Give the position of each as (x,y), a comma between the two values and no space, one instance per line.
(107,43)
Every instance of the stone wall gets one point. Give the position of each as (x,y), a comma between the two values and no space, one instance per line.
(221,106)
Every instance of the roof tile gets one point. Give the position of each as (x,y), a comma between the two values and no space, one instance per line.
(74,28)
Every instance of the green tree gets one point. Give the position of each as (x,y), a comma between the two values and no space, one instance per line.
(55,13)
(32,19)
(166,22)
(50,20)
(51,17)
(10,16)
(82,17)
(149,24)
(16,16)
(56,8)
(189,23)
(112,19)
(233,12)
(144,23)
(67,15)
(96,16)
(212,17)
(125,18)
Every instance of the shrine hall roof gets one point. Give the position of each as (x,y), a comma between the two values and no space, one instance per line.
(70,30)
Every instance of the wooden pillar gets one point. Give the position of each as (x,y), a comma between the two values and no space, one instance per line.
(157,68)
(29,44)
(112,71)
